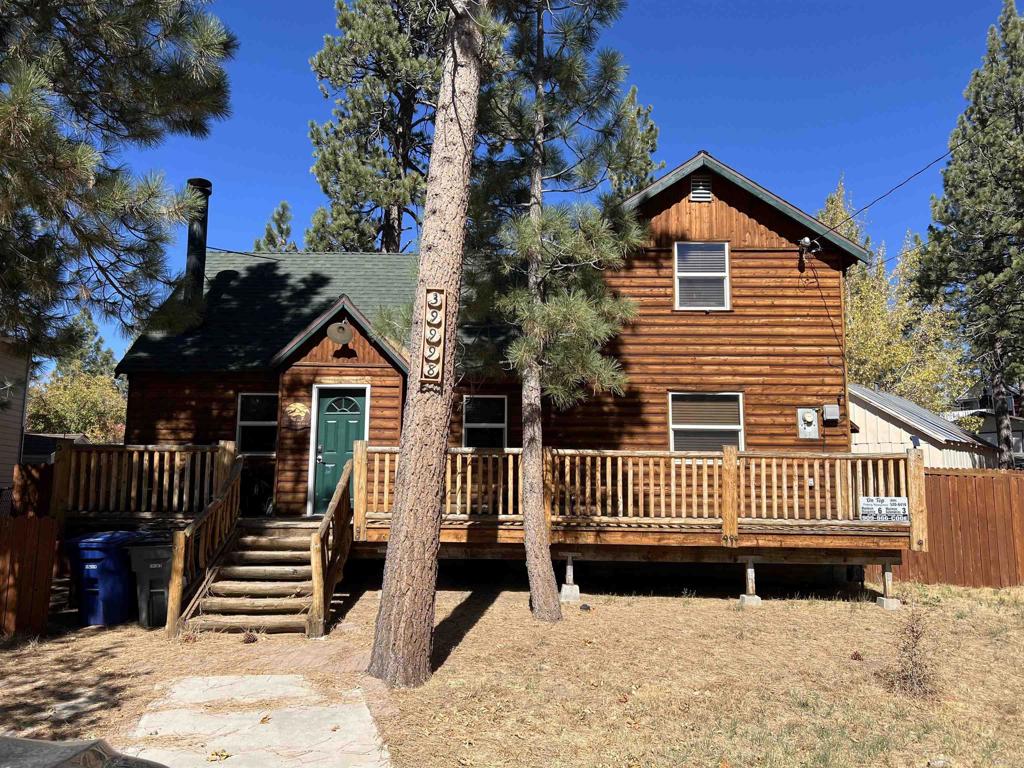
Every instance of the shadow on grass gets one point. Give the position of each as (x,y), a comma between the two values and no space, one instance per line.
(67,701)
(453,629)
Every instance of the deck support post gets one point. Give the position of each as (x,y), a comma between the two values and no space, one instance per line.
(359,460)
(749,599)
(887,601)
(570,590)
(60,490)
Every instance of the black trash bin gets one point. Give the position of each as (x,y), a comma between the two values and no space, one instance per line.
(151,561)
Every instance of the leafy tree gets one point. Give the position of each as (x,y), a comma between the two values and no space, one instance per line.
(974,262)
(73,401)
(277,237)
(383,71)
(81,394)
(558,123)
(895,342)
(79,84)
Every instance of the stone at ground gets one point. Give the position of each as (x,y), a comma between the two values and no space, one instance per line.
(749,601)
(570,593)
(888,603)
(258,721)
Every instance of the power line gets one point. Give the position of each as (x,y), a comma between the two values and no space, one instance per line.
(251,254)
(903,183)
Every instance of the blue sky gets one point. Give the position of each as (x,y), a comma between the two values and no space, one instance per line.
(792,93)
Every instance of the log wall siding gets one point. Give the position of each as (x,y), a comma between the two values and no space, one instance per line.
(781,344)
(188,408)
(321,361)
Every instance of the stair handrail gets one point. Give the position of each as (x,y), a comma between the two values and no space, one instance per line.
(198,546)
(328,549)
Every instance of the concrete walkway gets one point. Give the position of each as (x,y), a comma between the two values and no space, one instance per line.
(258,721)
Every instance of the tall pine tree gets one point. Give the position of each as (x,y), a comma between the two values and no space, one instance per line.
(974,262)
(558,123)
(382,70)
(80,83)
(405,621)
(277,237)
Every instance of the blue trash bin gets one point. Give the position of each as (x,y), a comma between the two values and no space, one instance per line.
(106,585)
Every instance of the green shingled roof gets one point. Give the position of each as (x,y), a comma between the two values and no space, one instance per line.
(257,303)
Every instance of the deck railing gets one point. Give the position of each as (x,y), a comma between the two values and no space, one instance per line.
(329,546)
(136,479)
(816,486)
(636,484)
(196,549)
(477,481)
(723,490)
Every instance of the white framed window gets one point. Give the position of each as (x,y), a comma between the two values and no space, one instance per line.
(705,421)
(484,421)
(702,276)
(256,434)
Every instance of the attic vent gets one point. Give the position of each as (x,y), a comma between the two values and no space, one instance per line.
(700,188)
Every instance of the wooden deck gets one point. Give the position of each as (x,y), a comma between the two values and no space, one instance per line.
(745,503)
(737,505)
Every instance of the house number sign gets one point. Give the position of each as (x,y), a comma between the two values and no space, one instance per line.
(431,365)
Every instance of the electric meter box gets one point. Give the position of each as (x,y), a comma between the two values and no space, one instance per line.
(807,423)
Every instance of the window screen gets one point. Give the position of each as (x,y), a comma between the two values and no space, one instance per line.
(257,423)
(702,275)
(484,421)
(705,421)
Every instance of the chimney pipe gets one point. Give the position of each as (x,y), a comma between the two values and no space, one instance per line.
(195,263)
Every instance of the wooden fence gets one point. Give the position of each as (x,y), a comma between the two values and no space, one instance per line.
(27,547)
(976,530)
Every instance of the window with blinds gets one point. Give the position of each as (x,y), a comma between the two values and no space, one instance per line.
(702,276)
(701,421)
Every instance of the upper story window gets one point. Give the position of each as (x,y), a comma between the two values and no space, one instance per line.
(484,421)
(705,421)
(702,276)
(257,423)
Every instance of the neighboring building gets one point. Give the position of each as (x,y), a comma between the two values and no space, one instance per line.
(977,401)
(738,341)
(39,447)
(14,373)
(886,423)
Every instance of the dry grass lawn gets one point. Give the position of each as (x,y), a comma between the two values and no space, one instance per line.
(678,678)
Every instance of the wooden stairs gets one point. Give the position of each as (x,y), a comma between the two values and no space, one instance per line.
(263,582)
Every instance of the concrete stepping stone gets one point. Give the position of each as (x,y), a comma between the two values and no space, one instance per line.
(298,727)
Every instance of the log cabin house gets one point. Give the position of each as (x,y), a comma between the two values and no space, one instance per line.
(732,443)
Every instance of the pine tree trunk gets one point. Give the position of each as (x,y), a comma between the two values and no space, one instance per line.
(1000,407)
(539,568)
(405,621)
(391,230)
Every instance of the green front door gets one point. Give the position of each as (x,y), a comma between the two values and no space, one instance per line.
(341,420)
